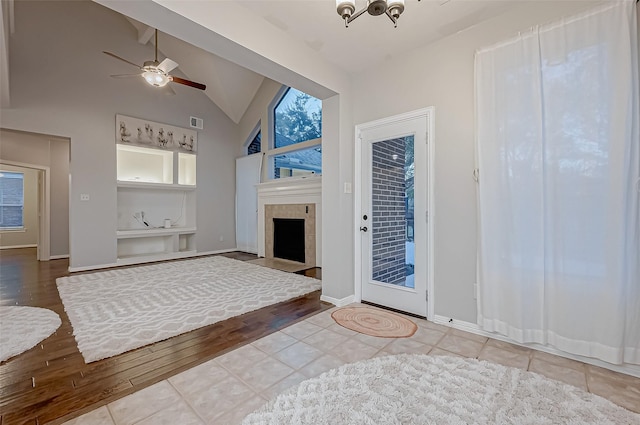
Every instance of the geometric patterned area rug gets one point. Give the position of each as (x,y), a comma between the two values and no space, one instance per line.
(119,310)
(374,322)
(22,328)
(423,389)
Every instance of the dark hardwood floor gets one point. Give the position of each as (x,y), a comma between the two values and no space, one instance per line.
(51,382)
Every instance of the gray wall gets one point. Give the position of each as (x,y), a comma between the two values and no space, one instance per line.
(29,235)
(52,152)
(441,75)
(60,85)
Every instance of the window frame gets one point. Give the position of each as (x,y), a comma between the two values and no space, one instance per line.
(256,130)
(20,228)
(272,151)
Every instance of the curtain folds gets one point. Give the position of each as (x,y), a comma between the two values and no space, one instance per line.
(558,144)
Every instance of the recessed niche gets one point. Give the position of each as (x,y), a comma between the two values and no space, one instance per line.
(186,169)
(145,165)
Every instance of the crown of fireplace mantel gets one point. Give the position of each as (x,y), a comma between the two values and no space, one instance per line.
(291,191)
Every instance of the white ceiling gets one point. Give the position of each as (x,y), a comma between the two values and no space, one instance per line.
(372,39)
(368,40)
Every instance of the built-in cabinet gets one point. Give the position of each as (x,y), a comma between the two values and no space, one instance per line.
(156,204)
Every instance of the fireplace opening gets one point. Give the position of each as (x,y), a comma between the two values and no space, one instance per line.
(288,239)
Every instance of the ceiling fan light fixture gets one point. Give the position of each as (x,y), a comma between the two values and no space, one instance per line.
(155,77)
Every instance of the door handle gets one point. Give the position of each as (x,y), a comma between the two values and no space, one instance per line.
(364,228)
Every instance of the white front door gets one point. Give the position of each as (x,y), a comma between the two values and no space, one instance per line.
(393,212)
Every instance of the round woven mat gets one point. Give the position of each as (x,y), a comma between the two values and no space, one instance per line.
(374,322)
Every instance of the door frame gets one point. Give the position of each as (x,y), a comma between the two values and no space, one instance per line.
(429,115)
(44,207)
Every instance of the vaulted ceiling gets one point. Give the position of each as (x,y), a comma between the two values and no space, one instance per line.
(368,41)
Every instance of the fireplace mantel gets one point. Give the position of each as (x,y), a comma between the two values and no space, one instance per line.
(293,190)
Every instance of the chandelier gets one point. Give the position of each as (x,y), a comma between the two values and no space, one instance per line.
(392,8)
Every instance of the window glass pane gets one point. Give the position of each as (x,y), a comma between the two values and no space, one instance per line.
(11,200)
(297,118)
(298,163)
(256,145)
(392,202)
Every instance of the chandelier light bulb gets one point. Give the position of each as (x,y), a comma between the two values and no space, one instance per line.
(395,8)
(345,8)
(392,8)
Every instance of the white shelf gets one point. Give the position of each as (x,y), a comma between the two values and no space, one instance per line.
(158,186)
(147,233)
(148,258)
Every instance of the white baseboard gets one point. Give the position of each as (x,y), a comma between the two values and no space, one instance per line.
(87,268)
(19,246)
(142,260)
(474,328)
(338,302)
(58,257)
(219,251)
(249,249)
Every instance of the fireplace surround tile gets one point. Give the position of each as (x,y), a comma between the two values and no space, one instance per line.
(300,211)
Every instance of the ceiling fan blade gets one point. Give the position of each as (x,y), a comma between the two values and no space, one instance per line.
(122,59)
(167,65)
(187,82)
(124,75)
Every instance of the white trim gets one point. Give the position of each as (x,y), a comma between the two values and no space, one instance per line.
(338,302)
(20,229)
(628,369)
(58,257)
(44,224)
(141,261)
(32,245)
(429,114)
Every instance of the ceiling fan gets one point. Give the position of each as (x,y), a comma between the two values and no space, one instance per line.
(157,73)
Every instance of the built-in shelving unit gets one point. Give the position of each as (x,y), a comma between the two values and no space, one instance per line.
(155,185)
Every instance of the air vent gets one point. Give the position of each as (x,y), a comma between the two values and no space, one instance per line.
(196,122)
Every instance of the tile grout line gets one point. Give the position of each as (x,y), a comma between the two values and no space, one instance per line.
(187,401)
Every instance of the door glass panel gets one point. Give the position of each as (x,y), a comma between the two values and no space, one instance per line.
(392,203)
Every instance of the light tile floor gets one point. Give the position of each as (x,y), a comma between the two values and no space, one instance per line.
(224,390)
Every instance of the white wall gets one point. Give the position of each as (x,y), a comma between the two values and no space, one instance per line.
(51,152)
(442,75)
(29,235)
(60,85)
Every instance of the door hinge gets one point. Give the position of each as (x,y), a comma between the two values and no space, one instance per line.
(426,216)
(426,296)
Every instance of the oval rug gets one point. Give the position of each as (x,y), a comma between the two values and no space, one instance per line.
(374,322)
(24,327)
(422,389)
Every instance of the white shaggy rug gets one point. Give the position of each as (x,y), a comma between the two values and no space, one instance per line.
(22,328)
(421,389)
(118,310)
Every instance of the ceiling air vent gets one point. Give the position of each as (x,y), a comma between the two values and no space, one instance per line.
(195,122)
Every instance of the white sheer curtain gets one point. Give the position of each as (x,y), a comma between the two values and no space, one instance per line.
(558,151)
